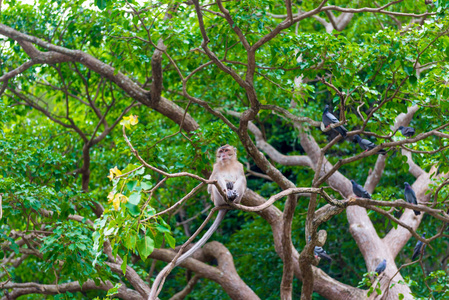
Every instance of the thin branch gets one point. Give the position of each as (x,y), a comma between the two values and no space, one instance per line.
(194,217)
(186,197)
(232,24)
(187,289)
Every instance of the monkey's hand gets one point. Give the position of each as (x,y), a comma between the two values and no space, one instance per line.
(229,185)
(232,194)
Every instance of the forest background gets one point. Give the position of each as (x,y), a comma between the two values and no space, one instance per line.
(80,199)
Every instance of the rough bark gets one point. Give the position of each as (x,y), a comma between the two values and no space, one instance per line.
(224,274)
(361,228)
(323,283)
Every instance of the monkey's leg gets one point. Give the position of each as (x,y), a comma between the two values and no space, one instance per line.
(240,187)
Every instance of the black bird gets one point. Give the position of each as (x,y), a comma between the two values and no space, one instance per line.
(407,131)
(329,119)
(359,191)
(320,252)
(381,267)
(368,145)
(418,247)
(410,196)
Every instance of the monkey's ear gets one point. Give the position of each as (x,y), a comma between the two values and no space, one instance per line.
(235,149)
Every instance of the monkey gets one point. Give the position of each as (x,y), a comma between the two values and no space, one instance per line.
(229,174)
(231,178)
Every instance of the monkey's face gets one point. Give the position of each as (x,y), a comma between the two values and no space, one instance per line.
(225,153)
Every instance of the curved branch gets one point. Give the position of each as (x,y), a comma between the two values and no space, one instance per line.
(291,116)
(380,10)
(294,160)
(224,274)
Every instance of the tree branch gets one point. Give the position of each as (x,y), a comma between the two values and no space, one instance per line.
(165,107)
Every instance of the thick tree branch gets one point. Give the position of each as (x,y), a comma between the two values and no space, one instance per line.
(323,283)
(165,107)
(294,160)
(156,69)
(224,274)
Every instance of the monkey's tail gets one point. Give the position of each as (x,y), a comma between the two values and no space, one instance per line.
(220,216)
(155,290)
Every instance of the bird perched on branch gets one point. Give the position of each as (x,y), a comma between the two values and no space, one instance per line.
(418,247)
(381,267)
(407,131)
(329,119)
(410,196)
(359,191)
(368,145)
(320,252)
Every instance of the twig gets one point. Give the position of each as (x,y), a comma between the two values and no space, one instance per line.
(189,195)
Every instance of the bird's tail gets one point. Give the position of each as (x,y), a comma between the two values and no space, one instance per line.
(341,130)
(325,256)
(382,151)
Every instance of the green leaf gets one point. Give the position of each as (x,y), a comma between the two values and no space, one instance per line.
(134,198)
(146,185)
(124,264)
(129,168)
(101,4)
(131,240)
(131,185)
(170,240)
(133,209)
(114,290)
(145,247)
(400,296)
(408,70)
(162,228)
(395,225)
(371,290)
(140,171)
